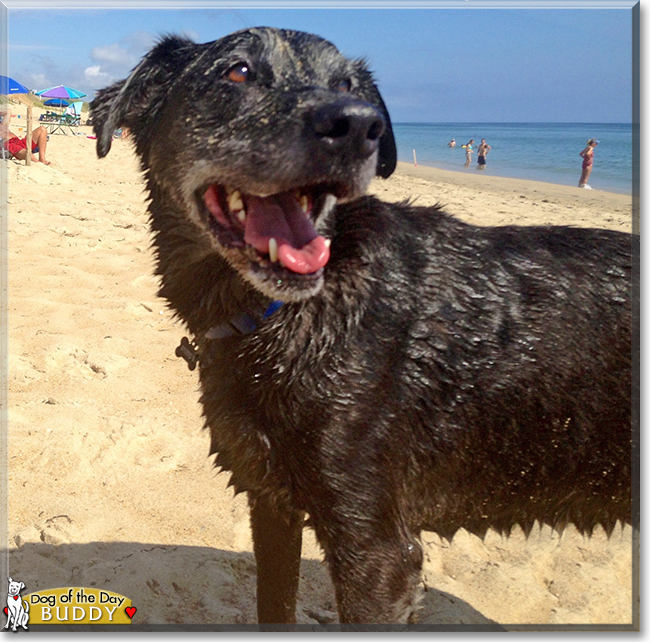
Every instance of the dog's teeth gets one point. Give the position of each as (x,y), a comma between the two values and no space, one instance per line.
(304,203)
(273,250)
(241,215)
(328,242)
(235,202)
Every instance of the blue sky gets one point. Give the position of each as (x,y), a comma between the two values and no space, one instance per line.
(465,64)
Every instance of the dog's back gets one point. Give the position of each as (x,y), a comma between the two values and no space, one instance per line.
(513,372)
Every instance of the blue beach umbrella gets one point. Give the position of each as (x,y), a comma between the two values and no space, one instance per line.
(61,91)
(9,87)
(56,102)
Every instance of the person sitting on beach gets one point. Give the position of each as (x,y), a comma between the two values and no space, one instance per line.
(468,152)
(16,146)
(452,143)
(483,150)
(587,162)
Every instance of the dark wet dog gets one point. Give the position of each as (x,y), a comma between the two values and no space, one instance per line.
(380,368)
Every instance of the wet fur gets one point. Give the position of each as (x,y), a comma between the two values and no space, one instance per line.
(443,376)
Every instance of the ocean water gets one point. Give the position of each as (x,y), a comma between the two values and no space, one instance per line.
(535,151)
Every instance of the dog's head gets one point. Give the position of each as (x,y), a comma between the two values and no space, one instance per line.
(254,138)
(14,587)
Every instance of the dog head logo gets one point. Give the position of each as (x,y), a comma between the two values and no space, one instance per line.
(17,609)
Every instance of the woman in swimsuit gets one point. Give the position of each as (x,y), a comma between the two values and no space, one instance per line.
(468,152)
(587,162)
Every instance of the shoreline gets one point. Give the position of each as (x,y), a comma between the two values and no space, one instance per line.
(493,181)
(495,200)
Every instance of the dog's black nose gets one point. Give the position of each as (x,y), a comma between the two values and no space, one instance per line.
(352,124)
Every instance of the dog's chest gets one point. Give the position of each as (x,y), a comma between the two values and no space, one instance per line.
(259,399)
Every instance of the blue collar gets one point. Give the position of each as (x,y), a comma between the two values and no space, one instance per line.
(241,324)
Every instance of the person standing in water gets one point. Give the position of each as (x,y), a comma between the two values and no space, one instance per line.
(468,152)
(483,150)
(587,162)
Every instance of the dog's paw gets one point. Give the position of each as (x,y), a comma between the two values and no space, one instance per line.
(321,616)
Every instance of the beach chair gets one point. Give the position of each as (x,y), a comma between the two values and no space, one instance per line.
(4,152)
(48,117)
(63,124)
(56,126)
(71,119)
(73,112)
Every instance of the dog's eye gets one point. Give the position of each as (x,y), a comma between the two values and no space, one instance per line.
(239,73)
(343,85)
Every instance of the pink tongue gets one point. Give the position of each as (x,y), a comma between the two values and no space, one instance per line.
(300,248)
(308,259)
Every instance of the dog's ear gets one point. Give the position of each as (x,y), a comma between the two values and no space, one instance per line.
(22,585)
(137,100)
(368,90)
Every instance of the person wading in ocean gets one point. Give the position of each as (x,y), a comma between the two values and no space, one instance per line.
(587,162)
(483,150)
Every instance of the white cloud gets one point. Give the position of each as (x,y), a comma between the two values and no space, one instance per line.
(116,60)
(96,77)
(93,72)
(113,54)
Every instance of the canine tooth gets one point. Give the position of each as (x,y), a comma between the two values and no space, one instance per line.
(235,201)
(273,250)
(328,242)
(241,215)
(304,203)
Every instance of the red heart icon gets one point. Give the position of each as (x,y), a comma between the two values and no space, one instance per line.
(130,611)
(6,611)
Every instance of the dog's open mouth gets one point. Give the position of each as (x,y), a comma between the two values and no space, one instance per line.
(272,231)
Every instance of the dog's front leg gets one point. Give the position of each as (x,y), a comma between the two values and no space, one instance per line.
(277,542)
(376,578)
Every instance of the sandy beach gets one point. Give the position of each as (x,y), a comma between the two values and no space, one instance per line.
(110,485)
